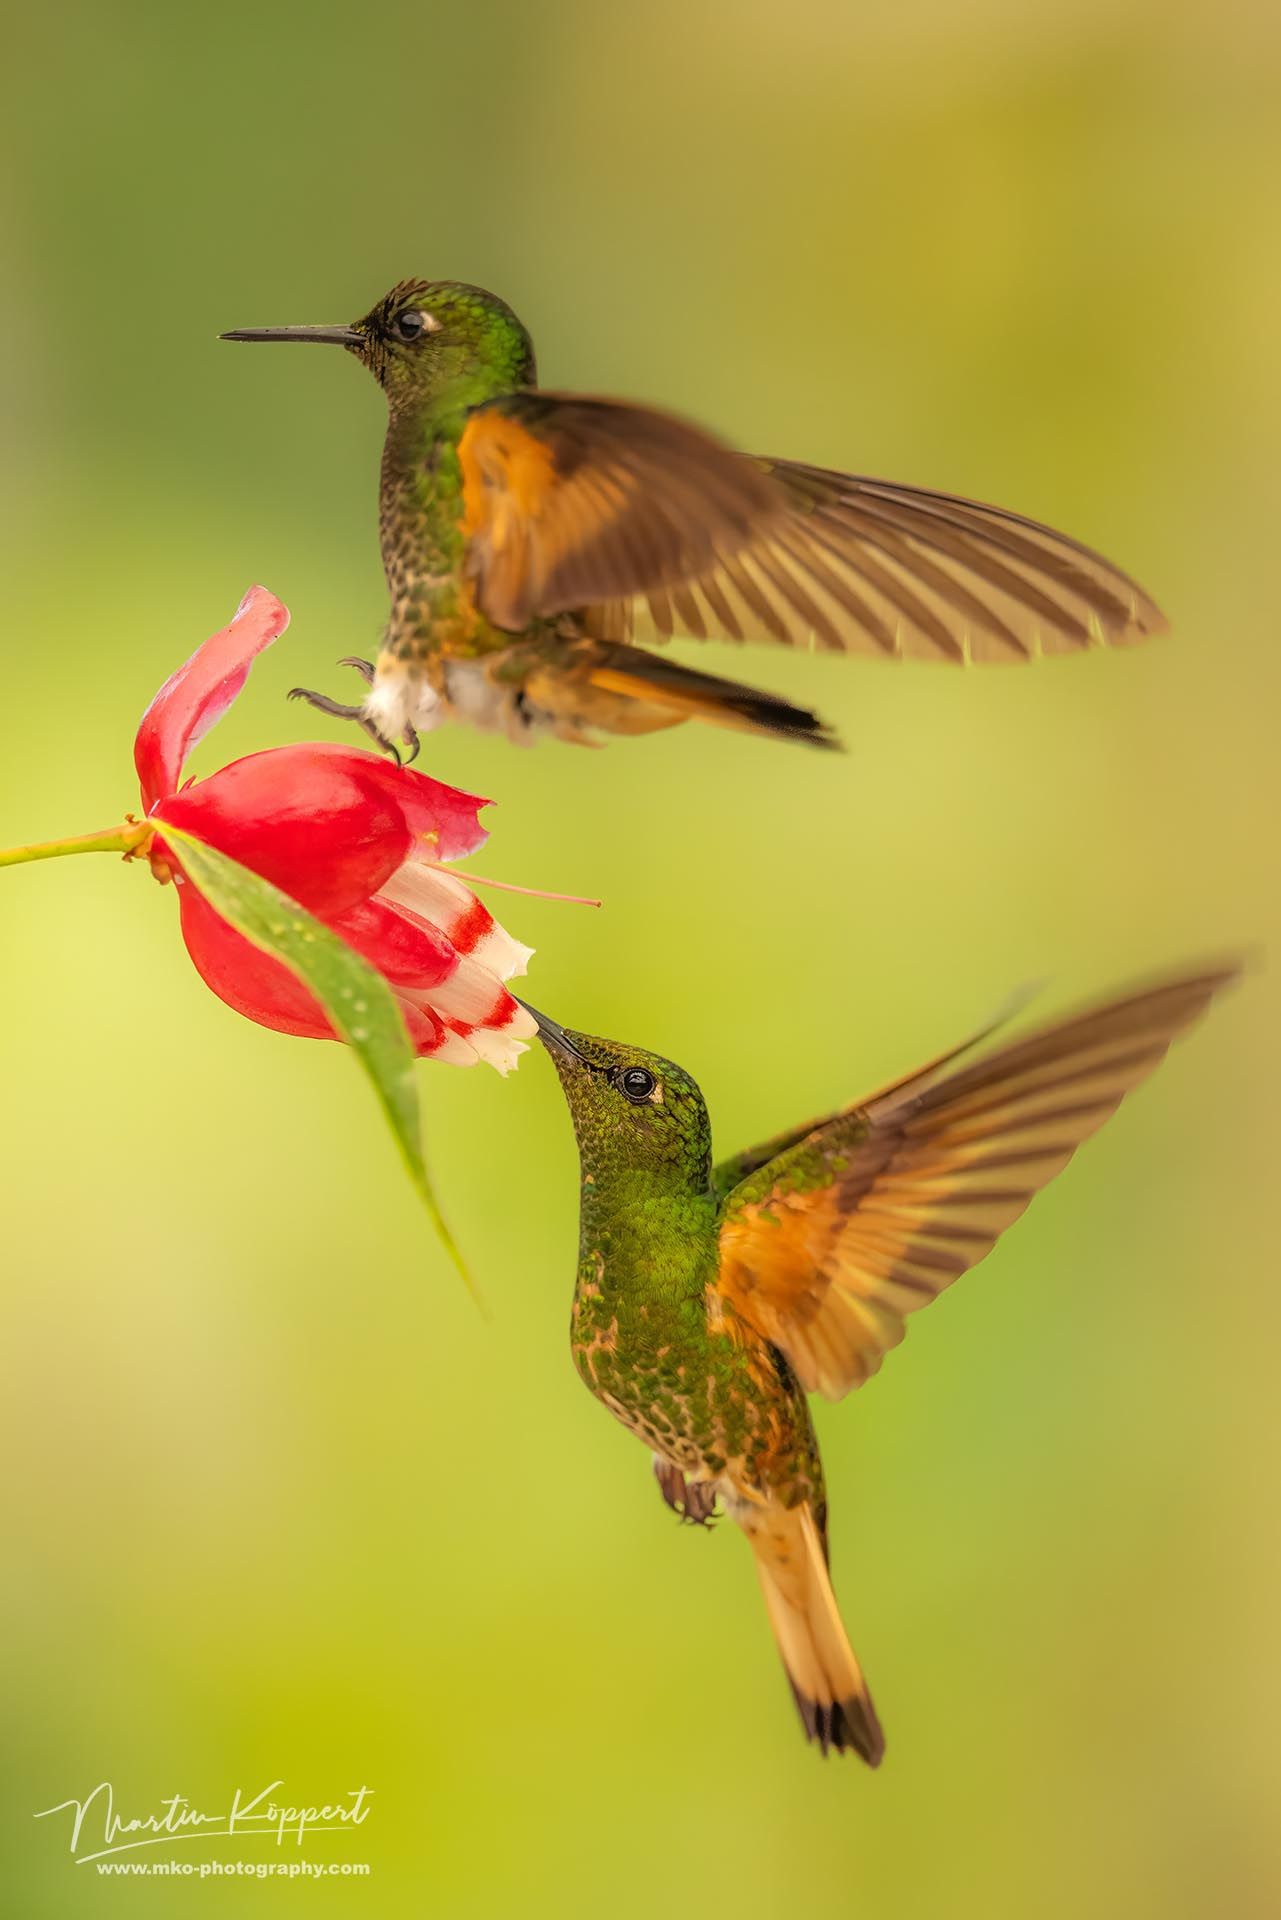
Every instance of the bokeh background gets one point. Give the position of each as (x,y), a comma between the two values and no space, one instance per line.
(279,1503)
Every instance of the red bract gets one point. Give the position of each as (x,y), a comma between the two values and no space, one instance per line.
(355,840)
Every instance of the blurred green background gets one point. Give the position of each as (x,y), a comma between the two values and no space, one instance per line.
(280,1504)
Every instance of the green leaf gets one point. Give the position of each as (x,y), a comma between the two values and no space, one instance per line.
(358,1001)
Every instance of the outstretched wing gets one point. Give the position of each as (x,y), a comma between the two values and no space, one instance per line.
(728,1174)
(649,527)
(828,1248)
(863,566)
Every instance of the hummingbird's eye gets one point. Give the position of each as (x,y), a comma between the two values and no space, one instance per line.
(637,1083)
(413,323)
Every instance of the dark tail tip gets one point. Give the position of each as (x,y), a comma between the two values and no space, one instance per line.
(845,1726)
(783,720)
(708,697)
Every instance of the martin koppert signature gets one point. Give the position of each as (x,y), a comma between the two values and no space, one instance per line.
(95,1822)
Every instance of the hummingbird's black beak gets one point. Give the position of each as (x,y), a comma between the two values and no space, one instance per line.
(554,1037)
(330,336)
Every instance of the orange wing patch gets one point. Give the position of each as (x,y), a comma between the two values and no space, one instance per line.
(827,1249)
(507,475)
(568,500)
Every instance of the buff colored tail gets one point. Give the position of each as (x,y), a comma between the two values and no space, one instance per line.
(683,691)
(828,1683)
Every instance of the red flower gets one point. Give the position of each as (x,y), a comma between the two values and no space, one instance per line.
(355,840)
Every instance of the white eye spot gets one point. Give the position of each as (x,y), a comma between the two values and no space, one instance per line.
(414,323)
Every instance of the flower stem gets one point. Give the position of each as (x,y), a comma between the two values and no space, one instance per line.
(127,838)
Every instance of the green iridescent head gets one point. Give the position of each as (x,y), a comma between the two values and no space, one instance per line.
(632,1110)
(427,340)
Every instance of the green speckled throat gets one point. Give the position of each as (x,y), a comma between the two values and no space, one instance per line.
(649,1214)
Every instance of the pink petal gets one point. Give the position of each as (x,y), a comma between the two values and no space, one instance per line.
(499,1040)
(437,896)
(241,974)
(404,949)
(443,819)
(200,692)
(427,1034)
(471,995)
(263,989)
(314,819)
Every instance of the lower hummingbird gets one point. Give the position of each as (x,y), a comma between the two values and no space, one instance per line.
(711,1299)
(534,541)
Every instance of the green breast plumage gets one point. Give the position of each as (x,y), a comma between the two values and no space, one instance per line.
(690,1379)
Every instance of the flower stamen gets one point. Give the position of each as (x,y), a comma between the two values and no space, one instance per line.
(509,886)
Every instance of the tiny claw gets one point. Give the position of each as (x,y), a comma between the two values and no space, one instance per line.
(323,704)
(365,668)
(337,710)
(412,741)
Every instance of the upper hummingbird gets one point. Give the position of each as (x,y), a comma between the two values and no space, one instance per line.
(711,1300)
(533,540)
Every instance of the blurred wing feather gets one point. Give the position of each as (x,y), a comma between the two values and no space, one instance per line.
(827,1248)
(729,1174)
(862,566)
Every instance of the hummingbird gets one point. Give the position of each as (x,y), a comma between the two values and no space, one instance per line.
(536,543)
(711,1299)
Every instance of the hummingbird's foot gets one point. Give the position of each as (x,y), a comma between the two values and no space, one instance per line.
(323,704)
(409,737)
(365,668)
(338,710)
(693,1501)
(702,1516)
